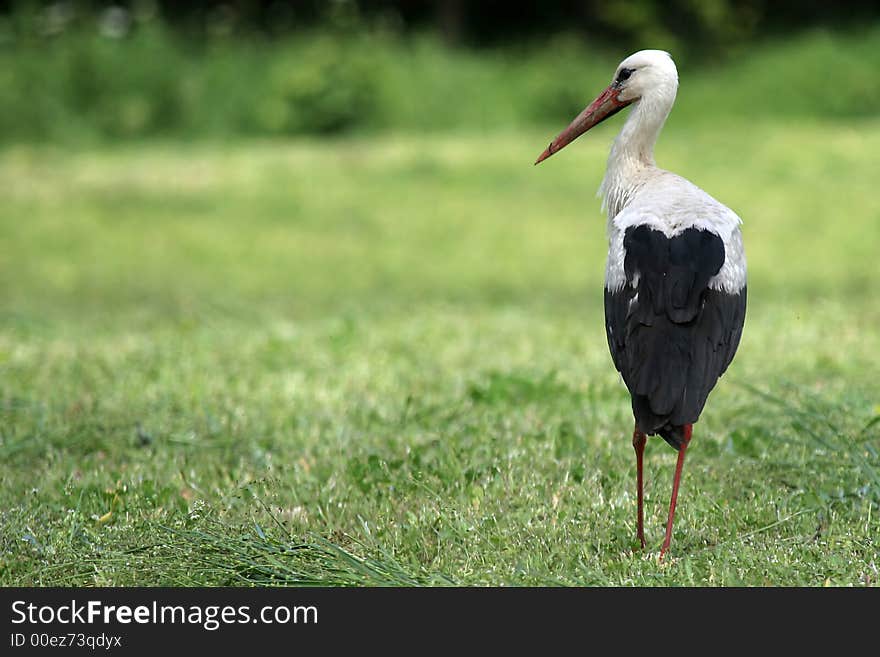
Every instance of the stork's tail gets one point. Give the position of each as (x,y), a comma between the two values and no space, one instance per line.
(673,434)
(653,424)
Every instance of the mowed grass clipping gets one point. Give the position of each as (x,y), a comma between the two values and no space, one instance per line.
(383,361)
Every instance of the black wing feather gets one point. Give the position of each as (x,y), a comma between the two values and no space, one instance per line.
(670,335)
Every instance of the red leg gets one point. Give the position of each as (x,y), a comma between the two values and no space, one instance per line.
(675,481)
(639,440)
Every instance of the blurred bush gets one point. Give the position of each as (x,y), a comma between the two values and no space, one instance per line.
(123,74)
(120,75)
(322,85)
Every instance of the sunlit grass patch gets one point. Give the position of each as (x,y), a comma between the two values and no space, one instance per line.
(383,361)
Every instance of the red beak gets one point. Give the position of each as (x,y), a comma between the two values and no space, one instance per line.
(607,104)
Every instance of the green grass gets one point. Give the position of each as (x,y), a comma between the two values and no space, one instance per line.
(382,361)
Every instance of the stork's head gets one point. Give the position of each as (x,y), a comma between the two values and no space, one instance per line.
(648,75)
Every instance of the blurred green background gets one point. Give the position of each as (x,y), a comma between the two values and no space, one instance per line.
(283,274)
(75,71)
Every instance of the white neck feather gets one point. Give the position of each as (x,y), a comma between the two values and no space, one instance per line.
(632,155)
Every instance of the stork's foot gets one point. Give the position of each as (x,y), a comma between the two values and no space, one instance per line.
(663,551)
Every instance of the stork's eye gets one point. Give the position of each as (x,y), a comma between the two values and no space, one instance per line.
(624,74)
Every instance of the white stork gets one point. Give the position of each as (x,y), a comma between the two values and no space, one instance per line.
(675,281)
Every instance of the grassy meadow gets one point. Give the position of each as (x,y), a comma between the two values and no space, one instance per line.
(380,359)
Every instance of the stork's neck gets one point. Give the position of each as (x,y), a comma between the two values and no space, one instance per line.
(632,156)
